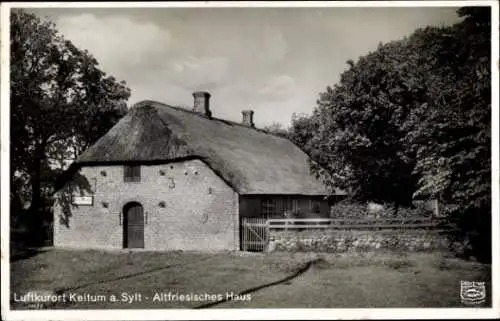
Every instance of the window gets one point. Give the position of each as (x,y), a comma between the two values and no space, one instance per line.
(290,207)
(314,206)
(295,205)
(132,174)
(268,208)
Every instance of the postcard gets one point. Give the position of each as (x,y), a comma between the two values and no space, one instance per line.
(250,160)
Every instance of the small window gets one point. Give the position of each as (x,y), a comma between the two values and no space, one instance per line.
(132,174)
(291,206)
(295,205)
(268,208)
(314,206)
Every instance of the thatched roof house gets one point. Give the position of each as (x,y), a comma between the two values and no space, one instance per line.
(169,178)
(250,160)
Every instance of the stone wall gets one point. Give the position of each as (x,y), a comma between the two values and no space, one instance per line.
(337,241)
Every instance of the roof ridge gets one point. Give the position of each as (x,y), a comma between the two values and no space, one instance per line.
(148,102)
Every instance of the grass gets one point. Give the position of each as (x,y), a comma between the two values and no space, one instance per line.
(333,281)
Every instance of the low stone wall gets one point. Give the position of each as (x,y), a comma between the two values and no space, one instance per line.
(338,241)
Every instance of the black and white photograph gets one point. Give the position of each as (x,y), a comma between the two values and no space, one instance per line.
(237,160)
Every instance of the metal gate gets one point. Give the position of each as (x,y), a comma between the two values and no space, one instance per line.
(255,234)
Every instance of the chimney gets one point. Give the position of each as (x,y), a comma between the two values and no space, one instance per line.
(248,118)
(202,103)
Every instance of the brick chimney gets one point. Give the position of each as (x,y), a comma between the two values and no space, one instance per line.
(248,118)
(202,103)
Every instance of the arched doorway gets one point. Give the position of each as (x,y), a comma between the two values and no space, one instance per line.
(133,226)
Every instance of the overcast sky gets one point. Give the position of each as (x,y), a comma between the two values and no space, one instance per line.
(272,60)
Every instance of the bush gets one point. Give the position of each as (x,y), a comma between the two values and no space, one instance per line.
(471,235)
(31,229)
(348,210)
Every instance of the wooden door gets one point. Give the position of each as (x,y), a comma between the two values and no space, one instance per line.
(133,226)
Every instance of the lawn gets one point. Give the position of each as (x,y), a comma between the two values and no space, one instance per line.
(158,279)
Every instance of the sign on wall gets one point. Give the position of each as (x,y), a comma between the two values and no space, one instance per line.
(83,200)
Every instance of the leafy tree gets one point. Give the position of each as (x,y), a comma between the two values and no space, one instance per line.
(361,139)
(276,129)
(454,139)
(302,129)
(300,132)
(60,103)
(413,119)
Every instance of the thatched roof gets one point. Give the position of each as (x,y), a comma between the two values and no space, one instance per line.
(250,160)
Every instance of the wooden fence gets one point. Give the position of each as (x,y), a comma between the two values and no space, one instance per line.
(255,234)
(367,223)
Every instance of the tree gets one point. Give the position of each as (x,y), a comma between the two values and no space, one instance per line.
(276,129)
(60,103)
(413,119)
(302,129)
(363,125)
(455,162)
(300,132)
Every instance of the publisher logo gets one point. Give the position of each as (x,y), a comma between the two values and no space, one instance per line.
(472,292)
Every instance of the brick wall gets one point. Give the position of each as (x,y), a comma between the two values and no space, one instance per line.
(200,213)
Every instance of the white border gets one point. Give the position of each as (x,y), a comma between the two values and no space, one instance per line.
(5,158)
(253,314)
(495,154)
(257,4)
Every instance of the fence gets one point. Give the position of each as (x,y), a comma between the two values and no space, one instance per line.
(368,223)
(255,234)
(48,237)
(257,231)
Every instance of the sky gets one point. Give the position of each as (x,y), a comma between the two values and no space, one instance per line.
(274,61)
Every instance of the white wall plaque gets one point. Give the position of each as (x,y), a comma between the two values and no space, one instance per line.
(83,200)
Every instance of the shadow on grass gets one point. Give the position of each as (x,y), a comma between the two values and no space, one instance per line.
(300,271)
(25,253)
(124,277)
